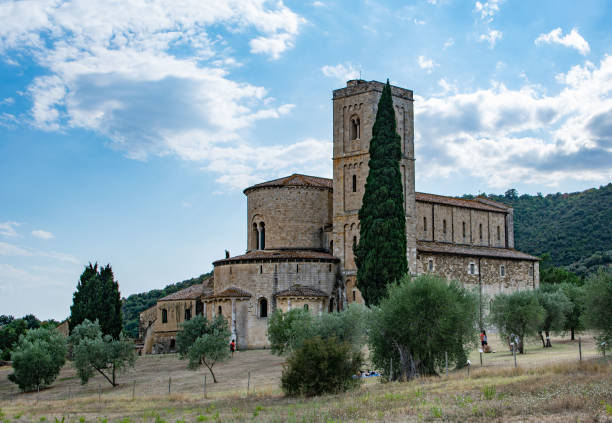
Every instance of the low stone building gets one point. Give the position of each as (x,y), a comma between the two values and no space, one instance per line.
(301,231)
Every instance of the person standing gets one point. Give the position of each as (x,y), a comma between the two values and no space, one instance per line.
(233,347)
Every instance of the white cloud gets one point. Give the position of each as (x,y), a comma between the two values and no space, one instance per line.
(419,21)
(146,74)
(572,40)
(487,9)
(12,250)
(318,4)
(491,37)
(8,229)
(426,63)
(39,233)
(7,101)
(448,43)
(341,72)
(508,136)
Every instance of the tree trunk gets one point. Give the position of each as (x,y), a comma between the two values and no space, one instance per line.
(548,344)
(572,333)
(542,338)
(211,372)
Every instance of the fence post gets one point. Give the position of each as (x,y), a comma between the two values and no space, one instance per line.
(249,383)
(514,354)
(580,347)
(133,389)
(169,383)
(446,363)
(204,386)
(391,370)
(480,358)
(99,393)
(469,363)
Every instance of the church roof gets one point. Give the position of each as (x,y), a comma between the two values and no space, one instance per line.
(301,291)
(276,255)
(472,250)
(231,292)
(477,203)
(191,293)
(295,180)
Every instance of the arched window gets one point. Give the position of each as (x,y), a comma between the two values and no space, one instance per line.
(297,268)
(172,343)
(331,247)
(263,307)
(331,304)
(502,270)
(480,230)
(260,269)
(306,307)
(355,128)
(354,242)
(187,314)
(498,233)
(164,315)
(354,183)
(424,224)
(220,311)
(430,265)
(531,270)
(444,226)
(262,236)
(354,295)
(463,226)
(255,237)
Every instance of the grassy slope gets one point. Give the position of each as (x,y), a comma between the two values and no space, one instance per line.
(550,385)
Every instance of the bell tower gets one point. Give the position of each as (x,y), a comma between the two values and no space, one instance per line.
(354,113)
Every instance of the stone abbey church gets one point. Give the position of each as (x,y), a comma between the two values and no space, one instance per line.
(302,229)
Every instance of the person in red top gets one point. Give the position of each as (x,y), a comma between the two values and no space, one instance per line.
(232,347)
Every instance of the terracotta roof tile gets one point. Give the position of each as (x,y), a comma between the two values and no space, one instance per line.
(279,255)
(297,180)
(231,292)
(471,250)
(301,291)
(478,203)
(192,292)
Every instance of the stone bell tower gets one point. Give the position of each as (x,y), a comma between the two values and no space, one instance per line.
(354,115)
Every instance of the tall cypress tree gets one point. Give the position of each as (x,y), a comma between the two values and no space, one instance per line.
(381,253)
(97,297)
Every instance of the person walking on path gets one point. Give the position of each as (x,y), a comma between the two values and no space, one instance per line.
(232,347)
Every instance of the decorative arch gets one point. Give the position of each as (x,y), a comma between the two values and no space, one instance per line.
(355,127)
(263,307)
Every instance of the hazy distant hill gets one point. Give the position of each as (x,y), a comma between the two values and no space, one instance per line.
(575,228)
(136,303)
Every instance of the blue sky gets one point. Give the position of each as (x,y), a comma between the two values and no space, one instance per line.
(129,129)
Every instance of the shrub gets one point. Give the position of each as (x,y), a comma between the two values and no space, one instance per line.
(38,358)
(321,366)
(598,309)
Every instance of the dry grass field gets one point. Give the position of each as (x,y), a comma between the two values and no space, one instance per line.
(550,385)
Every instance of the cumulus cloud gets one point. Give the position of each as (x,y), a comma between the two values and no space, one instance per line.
(491,37)
(146,75)
(506,136)
(39,233)
(572,40)
(8,229)
(426,63)
(341,72)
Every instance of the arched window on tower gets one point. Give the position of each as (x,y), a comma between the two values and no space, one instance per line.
(354,183)
(255,237)
(463,226)
(480,230)
(498,233)
(262,236)
(164,315)
(263,307)
(444,226)
(355,128)
(354,242)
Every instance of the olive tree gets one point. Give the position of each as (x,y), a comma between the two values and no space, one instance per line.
(417,322)
(517,314)
(94,352)
(38,358)
(598,306)
(203,342)
(556,307)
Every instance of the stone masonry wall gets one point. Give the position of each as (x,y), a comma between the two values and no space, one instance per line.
(294,217)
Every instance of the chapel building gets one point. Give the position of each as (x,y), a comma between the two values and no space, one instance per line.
(301,231)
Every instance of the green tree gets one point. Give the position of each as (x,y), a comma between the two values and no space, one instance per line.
(381,253)
(203,342)
(417,322)
(38,358)
(9,335)
(321,366)
(598,306)
(97,297)
(518,314)
(95,352)
(288,331)
(556,306)
(575,294)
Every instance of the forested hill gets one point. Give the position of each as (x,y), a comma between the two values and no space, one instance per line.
(137,303)
(575,228)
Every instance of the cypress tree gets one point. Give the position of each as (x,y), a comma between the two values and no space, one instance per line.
(97,297)
(381,253)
